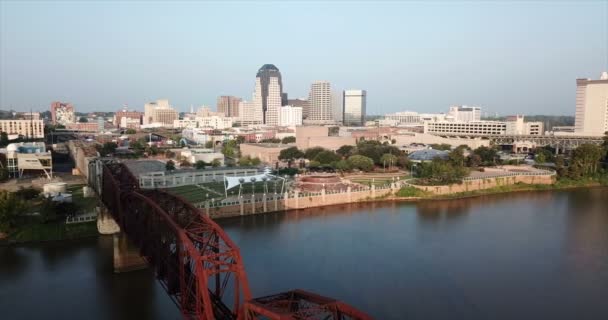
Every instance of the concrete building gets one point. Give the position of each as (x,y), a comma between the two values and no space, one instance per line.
(273,102)
(159,112)
(464,128)
(302,103)
(28,156)
(268,90)
(337,106)
(317,136)
(404,117)
(517,126)
(591,116)
(84,126)
(228,105)
(28,115)
(407,139)
(199,154)
(25,128)
(290,116)
(250,113)
(320,102)
(465,113)
(354,107)
(195,135)
(213,122)
(266,152)
(131,117)
(62,113)
(205,111)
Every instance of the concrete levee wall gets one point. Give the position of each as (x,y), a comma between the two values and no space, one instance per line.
(295,201)
(487,183)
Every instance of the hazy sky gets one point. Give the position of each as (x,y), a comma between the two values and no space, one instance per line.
(507,57)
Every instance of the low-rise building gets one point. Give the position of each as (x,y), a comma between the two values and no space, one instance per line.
(466,128)
(25,128)
(84,126)
(199,154)
(318,136)
(128,119)
(28,156)
(266,152)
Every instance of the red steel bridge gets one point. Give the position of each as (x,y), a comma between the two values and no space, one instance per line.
(195,261)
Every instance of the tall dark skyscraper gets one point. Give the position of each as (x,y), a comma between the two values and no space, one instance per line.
(266,72)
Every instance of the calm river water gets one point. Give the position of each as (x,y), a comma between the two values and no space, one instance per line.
(541,255)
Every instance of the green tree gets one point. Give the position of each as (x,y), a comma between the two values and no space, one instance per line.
(540,157)
(474,160)
(342,166)
(389,160)
(137,146)
(290,154)
(130,131)
(256,161)
(456,157)
(346,151)
(287,140)
(441,171)
(362,163)
(560,166)
(311,153)
(170,165)
(209,144)
(487,155)
(229,151)
(326,157)
(108,148)
(216,163)
(403,161)
(3,174)
(184,163)
(605,146)
(240,139)
(245,161)
(588,157)
(83,120)
(200,164)
(10,208)
(3,139)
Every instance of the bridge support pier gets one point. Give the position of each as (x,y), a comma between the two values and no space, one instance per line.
(126,255)
(105,222)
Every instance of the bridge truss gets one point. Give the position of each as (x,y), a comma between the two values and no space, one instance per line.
(194,259)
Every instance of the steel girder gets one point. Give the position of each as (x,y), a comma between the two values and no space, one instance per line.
(196,262)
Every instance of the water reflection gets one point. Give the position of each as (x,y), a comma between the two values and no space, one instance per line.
(535,255)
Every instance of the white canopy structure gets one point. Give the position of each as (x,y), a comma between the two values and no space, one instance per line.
(231,182)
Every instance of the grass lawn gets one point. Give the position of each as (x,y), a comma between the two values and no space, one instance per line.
(377,181)
(196,194)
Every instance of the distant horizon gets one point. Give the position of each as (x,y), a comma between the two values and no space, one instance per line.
(510,58)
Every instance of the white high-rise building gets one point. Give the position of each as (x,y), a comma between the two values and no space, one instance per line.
(320,102)
(592,106)
(465,113)
(250,113)
(290,116)
(354,107)
(273,102)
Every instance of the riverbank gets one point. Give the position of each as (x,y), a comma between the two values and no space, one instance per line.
(412,194)
(46,232)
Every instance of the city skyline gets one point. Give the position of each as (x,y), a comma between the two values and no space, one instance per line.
(507,57)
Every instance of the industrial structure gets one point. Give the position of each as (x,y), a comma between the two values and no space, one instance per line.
(195,261)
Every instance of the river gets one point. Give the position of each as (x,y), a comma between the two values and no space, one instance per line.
(537,255)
